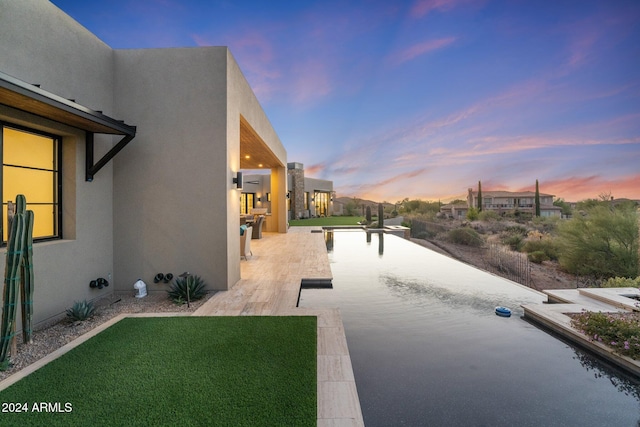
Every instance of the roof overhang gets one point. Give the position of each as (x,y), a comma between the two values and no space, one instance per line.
(23,96)
(254,152)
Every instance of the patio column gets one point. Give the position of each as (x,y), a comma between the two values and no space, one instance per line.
(279,199)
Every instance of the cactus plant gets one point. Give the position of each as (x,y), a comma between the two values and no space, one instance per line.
(380,215)
(18,271)
(368,217)
(11,278)
(26,288)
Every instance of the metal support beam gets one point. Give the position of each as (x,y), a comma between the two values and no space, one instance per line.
(92,168)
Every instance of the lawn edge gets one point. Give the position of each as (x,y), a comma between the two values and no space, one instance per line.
(9,381)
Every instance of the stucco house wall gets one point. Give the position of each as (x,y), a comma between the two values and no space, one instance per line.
(170,182)
(42,45)
(166,202)
(176,207)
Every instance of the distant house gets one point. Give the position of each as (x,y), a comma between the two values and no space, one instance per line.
(307,197)
(504,202)
(456,210)
(508,201)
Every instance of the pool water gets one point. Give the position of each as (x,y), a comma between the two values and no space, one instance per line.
(428,349)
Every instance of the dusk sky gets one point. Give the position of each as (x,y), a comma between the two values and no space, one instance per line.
(424,98)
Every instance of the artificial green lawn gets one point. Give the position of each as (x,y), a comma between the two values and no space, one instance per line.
(328,221)
(186,371)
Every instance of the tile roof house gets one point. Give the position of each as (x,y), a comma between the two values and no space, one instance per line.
(509,201)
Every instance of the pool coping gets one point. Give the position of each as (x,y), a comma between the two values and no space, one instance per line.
(554,315)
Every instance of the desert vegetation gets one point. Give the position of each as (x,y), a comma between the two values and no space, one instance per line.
(599,242)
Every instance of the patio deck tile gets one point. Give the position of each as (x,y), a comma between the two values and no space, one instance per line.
(270,285)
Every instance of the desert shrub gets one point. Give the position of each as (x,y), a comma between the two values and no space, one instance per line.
(516,229)
(621,282)
(488,216)
(513,236)
(465,236)
(537,257)
(195,286)
(80,311)
(601,243)
(622,333)
(472,214)
(546,245)
(545,224)
(513,240)
(425,235)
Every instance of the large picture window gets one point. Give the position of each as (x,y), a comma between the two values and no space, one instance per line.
(30,166)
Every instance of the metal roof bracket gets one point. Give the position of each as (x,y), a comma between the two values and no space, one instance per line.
(92,168)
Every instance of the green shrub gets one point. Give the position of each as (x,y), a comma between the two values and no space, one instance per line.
(622,333)
(547,224)
(488,216)
(537,257)
(622,282)
(80,311)
(195,286)
(602,243)
(514,241)
(545,245)
(472,214)
(516,229)
(465,236)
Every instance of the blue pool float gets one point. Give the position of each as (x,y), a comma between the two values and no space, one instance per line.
(503,311)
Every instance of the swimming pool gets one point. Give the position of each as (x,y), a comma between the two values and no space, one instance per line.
(427,348)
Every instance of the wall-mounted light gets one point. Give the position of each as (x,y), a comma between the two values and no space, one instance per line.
(238,180)
(288,195)
(259,199)
(313,199)
(268,197)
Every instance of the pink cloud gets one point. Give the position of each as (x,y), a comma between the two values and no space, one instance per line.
(316,169)
(420,49)
(578,188)
(424,7)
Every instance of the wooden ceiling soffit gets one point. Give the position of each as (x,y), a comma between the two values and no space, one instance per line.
(254,152)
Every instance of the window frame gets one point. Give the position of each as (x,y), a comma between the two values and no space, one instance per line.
(57,171)
(244,202)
